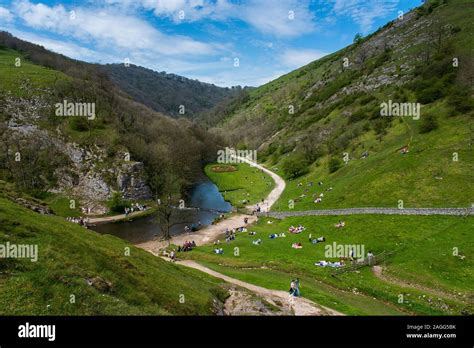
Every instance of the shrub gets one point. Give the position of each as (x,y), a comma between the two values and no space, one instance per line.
(334,164)
(357,116)
(430,95)
(79,124)
(295,166)
(117,204)
(460,100)
(428,123)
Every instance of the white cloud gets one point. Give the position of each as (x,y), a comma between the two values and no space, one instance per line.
(66,48)
(365,12)
(5,15)
(283,18)
(295,58)
(267,16)
(108,29)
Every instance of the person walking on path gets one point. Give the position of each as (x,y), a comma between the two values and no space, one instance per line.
(297,287)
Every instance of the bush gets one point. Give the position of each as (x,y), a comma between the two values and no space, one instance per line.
(460,100)
(428,123)
(117,204)
(357,116)
(294,167)
(79,124)
(334,164)
(430,95)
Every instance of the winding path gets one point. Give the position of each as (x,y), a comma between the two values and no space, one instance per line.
(274,194)
(300,305)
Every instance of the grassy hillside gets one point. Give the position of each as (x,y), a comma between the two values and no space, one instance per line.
(95,269)
(316,123)
(39,77)
(49,143)
(432,279)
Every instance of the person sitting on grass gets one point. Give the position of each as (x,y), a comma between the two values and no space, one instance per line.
(317,240)
(296,246)
(340,224)
(252,233)
(257,242)
(273,236)
(218,251)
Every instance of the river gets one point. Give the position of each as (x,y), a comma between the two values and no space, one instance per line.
(204,195)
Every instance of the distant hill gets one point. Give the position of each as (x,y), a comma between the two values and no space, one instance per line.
(164,92)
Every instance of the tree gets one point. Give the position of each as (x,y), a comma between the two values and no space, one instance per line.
(169,205)
(428,123)
(294,166)
(358,38)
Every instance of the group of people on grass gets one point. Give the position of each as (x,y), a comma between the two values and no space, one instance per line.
(324,263)
(317,198)
(82,221)
(297,229)
(135,207)
(187,246)
(274,235)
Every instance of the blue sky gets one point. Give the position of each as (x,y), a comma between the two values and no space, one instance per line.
(200,39)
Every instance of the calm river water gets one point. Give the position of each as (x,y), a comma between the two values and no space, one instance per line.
(205,196)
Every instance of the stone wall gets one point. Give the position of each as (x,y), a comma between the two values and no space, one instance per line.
(381,211)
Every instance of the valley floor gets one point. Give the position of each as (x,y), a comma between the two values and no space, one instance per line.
(428,270)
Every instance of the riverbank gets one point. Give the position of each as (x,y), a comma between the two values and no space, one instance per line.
(206,235)
(121,217)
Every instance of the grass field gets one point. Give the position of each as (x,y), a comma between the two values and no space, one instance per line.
(242,187)
(422,255)
(70,256)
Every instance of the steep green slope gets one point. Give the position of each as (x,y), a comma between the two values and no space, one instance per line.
(310,122)
(79,272)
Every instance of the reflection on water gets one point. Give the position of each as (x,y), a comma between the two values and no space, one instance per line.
(204,195)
